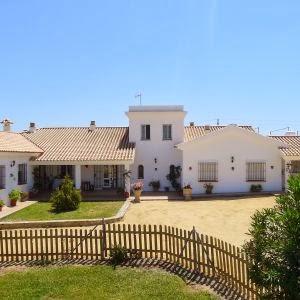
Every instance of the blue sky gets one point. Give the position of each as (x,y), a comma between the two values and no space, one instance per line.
(68,62)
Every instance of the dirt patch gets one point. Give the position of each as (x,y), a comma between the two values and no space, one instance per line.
(224,218)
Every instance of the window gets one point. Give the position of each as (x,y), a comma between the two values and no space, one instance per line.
(2,177)
(140,172)
(167,132)
(145,132)
(22,173)
(256,171)
(207,171)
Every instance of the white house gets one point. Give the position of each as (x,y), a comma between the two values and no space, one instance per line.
(231,158)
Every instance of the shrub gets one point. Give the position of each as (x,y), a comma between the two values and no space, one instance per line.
(274,246)
(66,197)
(208,188)
(155,184)
(118,255)
(173,176)
(14,195)
(1,203)
(254,188)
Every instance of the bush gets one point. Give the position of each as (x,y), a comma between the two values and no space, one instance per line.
(274,247)
(14,195)
(254,188)
(66,197)
(155,184)
(118,255)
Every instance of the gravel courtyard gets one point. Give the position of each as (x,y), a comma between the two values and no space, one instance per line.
(225,218)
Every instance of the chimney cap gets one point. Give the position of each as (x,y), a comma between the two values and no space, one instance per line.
(32,124)
(192,124)
(93,122)
(6,121)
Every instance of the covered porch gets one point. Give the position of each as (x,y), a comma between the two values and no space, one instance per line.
(90,178)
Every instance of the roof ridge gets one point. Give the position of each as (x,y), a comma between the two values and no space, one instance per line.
(79,127)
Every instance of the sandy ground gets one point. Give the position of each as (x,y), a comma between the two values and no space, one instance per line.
(227,218)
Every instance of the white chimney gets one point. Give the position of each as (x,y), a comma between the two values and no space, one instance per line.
(6,124)
(92,126)
(32,127)
(290,133)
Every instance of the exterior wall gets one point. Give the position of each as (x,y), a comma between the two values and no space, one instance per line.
(156,147)
(11,174)
(220,148)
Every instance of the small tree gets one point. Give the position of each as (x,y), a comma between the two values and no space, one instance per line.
(66,197)
(173,176)
(274,247)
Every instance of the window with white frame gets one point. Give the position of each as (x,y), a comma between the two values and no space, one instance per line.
(207,171)
(145,132)
(256,171)
(22,174)
(2,177)
(167,132)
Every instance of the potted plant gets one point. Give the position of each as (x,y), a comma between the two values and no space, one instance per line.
(1,204)
(208,188)
(24,196)
(256,188)
(155,185)
(137,188)
(187,192)
(14,196)
(32,193)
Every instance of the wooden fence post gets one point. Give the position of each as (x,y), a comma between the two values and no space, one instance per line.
(103,241)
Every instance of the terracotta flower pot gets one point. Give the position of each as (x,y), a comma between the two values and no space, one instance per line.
(13,202)
(137,195)
(187,193)
(1,208)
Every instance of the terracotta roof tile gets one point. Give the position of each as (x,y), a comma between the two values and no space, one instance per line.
(193,132)
(15,142)
(292,141)
(82,144)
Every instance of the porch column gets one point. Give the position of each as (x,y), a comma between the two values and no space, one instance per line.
(127,179)
(77,176)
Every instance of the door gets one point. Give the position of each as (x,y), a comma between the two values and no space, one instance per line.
(97,177)
(106,176)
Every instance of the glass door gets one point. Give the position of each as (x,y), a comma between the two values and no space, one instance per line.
(106,176)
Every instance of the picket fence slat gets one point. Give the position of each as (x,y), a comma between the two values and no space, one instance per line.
(188,249)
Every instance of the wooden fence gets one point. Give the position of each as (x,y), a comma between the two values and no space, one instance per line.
(188,249)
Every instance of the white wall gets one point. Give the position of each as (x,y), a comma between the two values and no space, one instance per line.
(164,151)
(221,148)
(11,174)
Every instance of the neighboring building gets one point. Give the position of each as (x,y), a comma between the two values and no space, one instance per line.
(231,157)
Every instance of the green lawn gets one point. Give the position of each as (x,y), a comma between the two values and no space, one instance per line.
(87,210)
(95,282)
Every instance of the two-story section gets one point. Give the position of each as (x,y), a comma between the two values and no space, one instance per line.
(155,130)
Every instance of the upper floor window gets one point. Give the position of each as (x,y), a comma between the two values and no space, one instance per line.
(2,177)
(207,171)
(256,171)
(167,132)
(145,134)
(140,172)
(22,173)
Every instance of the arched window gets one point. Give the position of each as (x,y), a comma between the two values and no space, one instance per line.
(140,172)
